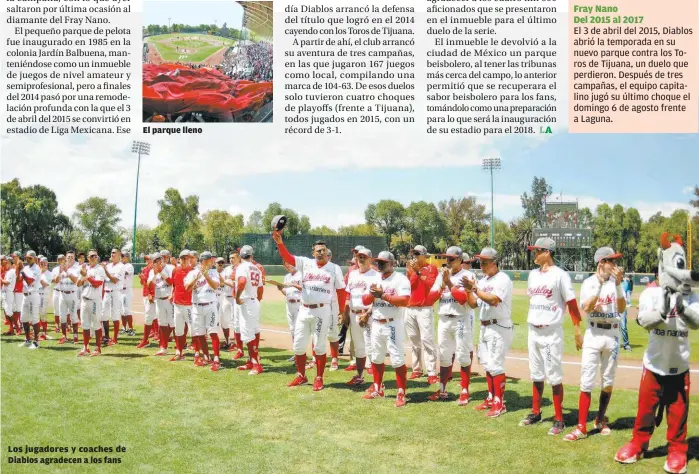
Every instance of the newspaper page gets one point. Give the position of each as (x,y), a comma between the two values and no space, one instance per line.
(346,236)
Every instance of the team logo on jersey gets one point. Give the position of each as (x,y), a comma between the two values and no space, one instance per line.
(357,285)
(541,290)
(324,277)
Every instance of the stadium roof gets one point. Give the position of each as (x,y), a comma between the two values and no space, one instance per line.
(258,18)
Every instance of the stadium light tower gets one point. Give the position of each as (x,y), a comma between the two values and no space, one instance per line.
(142,148)
(492,164)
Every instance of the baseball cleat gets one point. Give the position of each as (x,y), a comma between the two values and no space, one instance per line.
(356,380)
(372,393)
(486,405)
(177,358)
(298,380)
(603,427)
(112,342)
(143,344)
(318,384)
(463,398)
(238,355)
(334,366)
(42,337)
(246,366)
(400,399)
(34,345)
(350,368)
(215,366)
(97,353)
(256,370)
(497,410)
(75,340)
(415,375)
(161,352)
(432,379)
(557,428)
(84,352)
(62,340)
(579,433)
(437,396)
(676,463)
(122,331)
(371,388)
(531,419)
(629,454)
(199,362)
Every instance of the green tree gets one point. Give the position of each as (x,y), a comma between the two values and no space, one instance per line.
(646,258)
(221,230)
(631,236)
(295,225)
(465,222)
(533,204)
(179,221)
(254,224)
(322,230)
(98,220)
(387,216)
(357,230)
(144,237)
(424,225)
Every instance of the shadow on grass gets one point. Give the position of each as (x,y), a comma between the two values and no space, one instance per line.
(120,355)
(661,451)
(61,348)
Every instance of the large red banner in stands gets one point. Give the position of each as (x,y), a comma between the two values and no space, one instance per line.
(175,89)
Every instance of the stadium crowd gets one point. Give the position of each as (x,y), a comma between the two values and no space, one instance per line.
(251,62)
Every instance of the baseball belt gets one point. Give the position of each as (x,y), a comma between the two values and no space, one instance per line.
(359,311)
(164,298)
(67,292)
(293,301)
(384,321)
(314,306)
(452,316)
(540,326)
(27,294)
(488,323)
(204,304)
(604,325)
(108,291)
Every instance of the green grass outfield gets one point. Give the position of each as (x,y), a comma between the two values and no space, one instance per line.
(173,417)
(166,45)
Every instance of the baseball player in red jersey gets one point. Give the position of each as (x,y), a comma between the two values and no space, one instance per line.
(182,300)
(455,328)
(668,313)
(602,300)
(419,322)
(550,291)
(389,295)
(320,280)
(494,292)
(148,302)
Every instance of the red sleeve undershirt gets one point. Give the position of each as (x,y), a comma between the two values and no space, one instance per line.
(286,256)
(94,283)
(459,295)
(242,281)
(574,311)
(341,297)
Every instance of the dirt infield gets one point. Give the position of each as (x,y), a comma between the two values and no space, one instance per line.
(628,373)
(154,56)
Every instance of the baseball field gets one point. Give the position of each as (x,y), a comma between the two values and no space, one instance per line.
(187,47)
(174,417)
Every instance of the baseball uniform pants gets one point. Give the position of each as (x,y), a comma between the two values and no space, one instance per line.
(249,320)
(165,312)
(292,312)
(546,354)
(149,311)
(455,336)
(493,344)
(183,315)
(91,315)
(312,323)
(419,325)
(3,303)
(600,347)
(68,305)
(111,306)
(204,319)
(126,301)
(227,312)
(334,328)
(43,306)
(56,301)
(17,302)
(389,337)
(360,336)
(30,308)
(236,317)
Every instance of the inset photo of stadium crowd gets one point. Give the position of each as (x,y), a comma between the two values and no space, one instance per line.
(207,61)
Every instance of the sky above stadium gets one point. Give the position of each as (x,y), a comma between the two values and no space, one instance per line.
(193,12)
(332,180)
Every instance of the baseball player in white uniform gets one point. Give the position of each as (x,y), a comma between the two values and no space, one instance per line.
(550,291)
(248,288)
(92,277)
(8,284)
(29,317)
(148,292)
(56,295)
(388,297)
(69,300)
(111,304)
(602,300)
(227,303)
(17,295)
(359,281)
(494,292)
(291,289)
(127,295)
(82,259)
(161,277)
(45,282)
(203,282)
(321,279)
(234,258)
(334,329)
(455,327)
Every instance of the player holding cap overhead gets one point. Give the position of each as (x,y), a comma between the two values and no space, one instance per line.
(388,296)
(31,277)
(494,293)
(127,295)
(419,322)
(359,281)
(550,290)
(248,292)
(455,328)
(603,301)
(92,277)
(320,280)
(203,281)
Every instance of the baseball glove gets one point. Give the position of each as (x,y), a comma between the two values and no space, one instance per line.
(364,319)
